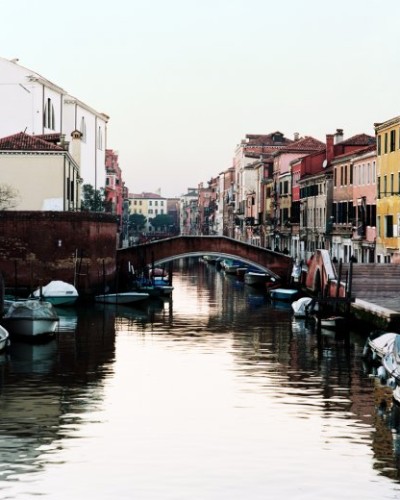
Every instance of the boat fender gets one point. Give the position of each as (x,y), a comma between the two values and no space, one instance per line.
(391,382)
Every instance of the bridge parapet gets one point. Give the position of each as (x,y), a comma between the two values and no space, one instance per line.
(169,249)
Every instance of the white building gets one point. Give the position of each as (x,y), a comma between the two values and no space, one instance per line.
(32,104)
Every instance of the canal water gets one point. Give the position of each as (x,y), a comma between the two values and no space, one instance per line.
(216,394)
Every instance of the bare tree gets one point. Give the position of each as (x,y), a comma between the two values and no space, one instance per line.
(9,197)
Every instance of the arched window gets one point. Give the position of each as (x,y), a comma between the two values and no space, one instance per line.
(83,129)
(48,115)
(100,139)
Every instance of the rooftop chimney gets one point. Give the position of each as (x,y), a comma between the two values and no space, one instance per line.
(339,135)
(75,149)
(330,147)
(296,136)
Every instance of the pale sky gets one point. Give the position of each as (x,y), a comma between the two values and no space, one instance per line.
(183,81)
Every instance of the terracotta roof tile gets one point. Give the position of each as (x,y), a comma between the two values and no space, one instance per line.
(307,143)
(359,140)
(25,142)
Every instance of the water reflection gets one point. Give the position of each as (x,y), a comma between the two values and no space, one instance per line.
(214,393)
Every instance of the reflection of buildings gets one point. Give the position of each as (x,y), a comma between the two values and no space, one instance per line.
(46,390)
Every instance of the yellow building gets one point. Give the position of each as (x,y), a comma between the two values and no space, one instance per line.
(149,205)
(388,191)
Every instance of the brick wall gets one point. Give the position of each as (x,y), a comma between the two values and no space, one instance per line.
(37,247)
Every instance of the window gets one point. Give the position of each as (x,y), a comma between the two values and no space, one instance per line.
(100,139)
(388,226)
(392,140)
(391,184)
(150,203)
(48,115)
(156,203)
(83,129)
(386,143)
(379,145)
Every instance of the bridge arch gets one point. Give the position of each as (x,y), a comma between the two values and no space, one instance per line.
(169,249)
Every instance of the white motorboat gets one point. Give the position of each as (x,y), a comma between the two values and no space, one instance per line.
(4,338)
(256,279)
(303,307)
(379,344)
(121,298)
(30,318)
(59,293)
(391,360)
(284,294)
(332,322)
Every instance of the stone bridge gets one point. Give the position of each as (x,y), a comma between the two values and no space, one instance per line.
(159,252)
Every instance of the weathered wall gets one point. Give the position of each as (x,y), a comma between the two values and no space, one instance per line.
(36,247)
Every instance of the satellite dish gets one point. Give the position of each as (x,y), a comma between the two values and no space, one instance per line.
(324,163)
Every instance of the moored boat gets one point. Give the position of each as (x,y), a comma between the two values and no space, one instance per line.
(4,338)
(58,293)
(379,343)
(31,318)
(303,307)
(284,294)
(121,298)
(332,322)
(256,279)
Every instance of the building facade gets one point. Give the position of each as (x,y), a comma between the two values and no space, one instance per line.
(388,190)
(30,103)
(44,175)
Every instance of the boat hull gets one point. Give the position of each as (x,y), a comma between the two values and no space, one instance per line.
(121,298)
(58,293)
(30,318)
(256,279)
(284,294)
(4,338)
(333,322)
(29,327)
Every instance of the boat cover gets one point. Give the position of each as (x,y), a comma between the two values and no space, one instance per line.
(55,288)
(36,309)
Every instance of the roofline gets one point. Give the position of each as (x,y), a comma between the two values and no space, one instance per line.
(51,152)
(33,76)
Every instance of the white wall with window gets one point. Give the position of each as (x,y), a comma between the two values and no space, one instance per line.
(33,104)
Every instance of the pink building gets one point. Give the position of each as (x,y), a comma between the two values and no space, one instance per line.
(354,201)
(114,190)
